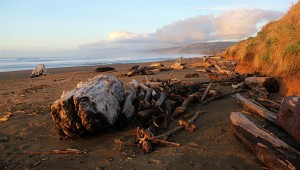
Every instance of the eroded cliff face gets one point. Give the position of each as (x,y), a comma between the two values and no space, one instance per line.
(275,51)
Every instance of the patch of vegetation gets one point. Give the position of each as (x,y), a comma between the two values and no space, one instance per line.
(293,49)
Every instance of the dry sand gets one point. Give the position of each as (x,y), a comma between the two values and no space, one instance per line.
(212,146)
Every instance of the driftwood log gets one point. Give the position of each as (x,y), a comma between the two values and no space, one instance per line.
(269,83)
(38,71)
(92,106)
(191,98)
(289,116)
(254,108)
(270,150)
(104,69)
(178,65)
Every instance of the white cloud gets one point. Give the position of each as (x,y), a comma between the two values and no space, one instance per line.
(229,25)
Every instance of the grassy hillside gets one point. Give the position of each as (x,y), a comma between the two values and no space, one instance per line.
(209,48)
(275,51)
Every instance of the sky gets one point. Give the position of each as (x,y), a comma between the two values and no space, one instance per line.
(54,25)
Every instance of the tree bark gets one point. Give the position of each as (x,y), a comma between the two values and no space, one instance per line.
(252,107)
(269,149)
(91,107)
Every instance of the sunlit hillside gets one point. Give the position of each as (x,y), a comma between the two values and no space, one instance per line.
(275,51)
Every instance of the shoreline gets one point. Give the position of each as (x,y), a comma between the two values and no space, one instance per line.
(21,74)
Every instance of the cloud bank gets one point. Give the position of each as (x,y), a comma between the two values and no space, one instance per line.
(229,25)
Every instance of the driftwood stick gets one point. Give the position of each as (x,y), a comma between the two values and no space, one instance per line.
(165,136)
(168,108)
(161,99)
(269,149)
(252,107)
(164,143)
(221,96)
(180,110)
(205,92)
(67,151)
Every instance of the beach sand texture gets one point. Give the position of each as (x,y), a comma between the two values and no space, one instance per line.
(30,129)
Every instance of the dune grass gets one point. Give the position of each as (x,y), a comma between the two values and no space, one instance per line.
(275,51)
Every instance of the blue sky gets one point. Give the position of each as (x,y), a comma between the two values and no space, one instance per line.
(67,24)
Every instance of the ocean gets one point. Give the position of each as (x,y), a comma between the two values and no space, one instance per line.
(29,63)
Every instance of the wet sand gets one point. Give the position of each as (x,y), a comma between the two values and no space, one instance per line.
(212,146)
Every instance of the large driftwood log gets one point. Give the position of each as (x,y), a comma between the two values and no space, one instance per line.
(289,116)
(269,83)
(269,149)
(252,107)
(38,71)
(91,107)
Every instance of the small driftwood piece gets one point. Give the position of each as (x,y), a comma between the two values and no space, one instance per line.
(140,71)
(205,92)
(221,96)
(270,150)
(178,65)
(91,107)
(269,83)
(254,108)
(104,69)
(227,72)
(168,108)
(67,151)
(194,75)
(146,139)
(191,98)
(38,71)
(166,135)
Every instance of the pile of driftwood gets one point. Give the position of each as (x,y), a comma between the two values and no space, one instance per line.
(103,102)
(271,150)
(154,67)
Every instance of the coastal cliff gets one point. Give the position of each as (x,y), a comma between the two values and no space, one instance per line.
(275,51)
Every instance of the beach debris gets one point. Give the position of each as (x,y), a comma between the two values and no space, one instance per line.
(193,75)
(289,116)
(91,107)
(6,117)
(4,139)
(140,71)
(269,149)
(269,83)
(255,108)
(56,151)
(179,64)
(38,71)
(191,98)
(104,69)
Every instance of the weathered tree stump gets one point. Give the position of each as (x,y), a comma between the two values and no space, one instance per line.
(91,107)
(289,116)
(38,71)
(269,149)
